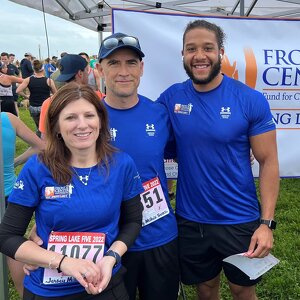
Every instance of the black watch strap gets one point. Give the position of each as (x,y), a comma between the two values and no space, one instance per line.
(115,255)
(270,223)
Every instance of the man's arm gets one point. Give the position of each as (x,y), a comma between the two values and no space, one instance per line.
(265,151)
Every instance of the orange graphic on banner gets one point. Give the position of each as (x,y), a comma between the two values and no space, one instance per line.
(232,70)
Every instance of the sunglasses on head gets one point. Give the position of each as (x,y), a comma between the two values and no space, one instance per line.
(113,42)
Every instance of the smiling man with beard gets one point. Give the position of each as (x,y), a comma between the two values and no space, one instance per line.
(216,120)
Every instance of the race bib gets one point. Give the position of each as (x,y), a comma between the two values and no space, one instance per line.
(154,202)
(85,245)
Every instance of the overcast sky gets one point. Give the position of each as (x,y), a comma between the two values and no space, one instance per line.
(22,30)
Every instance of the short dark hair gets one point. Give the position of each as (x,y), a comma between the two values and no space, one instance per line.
(4,54)
(11,54)
(218,31)
(83,53)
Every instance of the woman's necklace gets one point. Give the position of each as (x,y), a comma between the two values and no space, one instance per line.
(84,179)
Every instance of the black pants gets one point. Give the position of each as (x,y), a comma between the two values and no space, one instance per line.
(154,272)
(8,105)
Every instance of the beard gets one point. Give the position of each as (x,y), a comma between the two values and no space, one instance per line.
(216,68)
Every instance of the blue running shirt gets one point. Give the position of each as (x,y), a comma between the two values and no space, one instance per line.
(212,129)
(143,132)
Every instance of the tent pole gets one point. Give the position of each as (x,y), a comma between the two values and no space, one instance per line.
(242,8)
(100,39)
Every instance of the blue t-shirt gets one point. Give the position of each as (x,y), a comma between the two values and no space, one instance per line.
(143,132)
(212,130)
(49,70)
(8,148)
(75,207)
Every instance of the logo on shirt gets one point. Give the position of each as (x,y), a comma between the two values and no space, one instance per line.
(150,129)
(113,134)
(225,112)
(19,185)
(54,192)
(184,109)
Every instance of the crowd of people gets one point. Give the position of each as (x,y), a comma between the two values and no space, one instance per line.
(104,226)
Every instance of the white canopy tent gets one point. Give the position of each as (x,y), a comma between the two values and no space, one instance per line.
(96,15)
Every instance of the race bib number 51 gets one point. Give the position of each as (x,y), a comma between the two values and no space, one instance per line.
(154,202)
(85,245)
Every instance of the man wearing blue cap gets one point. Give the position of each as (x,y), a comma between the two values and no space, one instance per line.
(141,128)
(72,68)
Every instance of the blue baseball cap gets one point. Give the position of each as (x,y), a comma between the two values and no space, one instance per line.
(69,66)
(119,41)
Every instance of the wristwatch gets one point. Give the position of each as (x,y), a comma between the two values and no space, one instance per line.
(115,255)
(270,223)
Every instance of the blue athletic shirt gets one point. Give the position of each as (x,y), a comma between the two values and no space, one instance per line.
(9,148)
(94,207)
(143,132)
(212,129)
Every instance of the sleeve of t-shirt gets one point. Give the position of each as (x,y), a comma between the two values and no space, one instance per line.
(26,191)
(44,110)
(260,116)
(162,99)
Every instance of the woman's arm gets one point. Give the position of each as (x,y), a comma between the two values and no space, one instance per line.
(28,136)
(13,244)
(16,79)
(130,225)
(23,85)
(52,86)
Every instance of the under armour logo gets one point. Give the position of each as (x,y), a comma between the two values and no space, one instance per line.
(150,129)
(225,112)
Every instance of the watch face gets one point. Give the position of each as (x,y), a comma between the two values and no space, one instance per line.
(273,225)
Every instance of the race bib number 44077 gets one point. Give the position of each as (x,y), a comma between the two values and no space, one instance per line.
(84,245)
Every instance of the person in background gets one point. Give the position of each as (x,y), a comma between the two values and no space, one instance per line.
(73,68)
(94,78)
(11,58)
(54,76)
(13,127)
(141,128)
(8,59)
(216,120)
(18,64)
(49,68)
(54,61)
(7,102)
(26,65)
(79,187)
(13,70)
(93,61)
(171,188)
(40,88)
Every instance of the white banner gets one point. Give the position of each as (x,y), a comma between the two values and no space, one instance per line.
(263,53)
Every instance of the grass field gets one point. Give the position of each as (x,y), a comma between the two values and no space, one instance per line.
(283,281)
